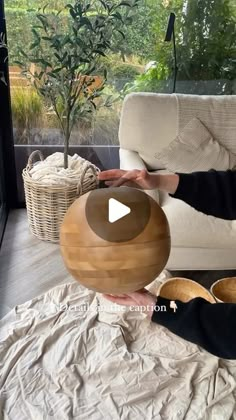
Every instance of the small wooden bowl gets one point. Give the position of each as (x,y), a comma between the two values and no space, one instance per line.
(224,290)
(179,288)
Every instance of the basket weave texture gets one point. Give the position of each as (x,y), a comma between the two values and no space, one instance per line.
(47,204)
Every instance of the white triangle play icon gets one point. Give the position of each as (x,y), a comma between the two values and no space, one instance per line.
(117,210)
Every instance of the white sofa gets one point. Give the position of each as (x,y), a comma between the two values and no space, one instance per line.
(149,122)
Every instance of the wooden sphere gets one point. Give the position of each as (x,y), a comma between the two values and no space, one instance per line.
(109,266)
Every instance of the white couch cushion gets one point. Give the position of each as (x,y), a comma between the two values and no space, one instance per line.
(149,122)
(217,113)
(131,160)
(191,228)
(194,149)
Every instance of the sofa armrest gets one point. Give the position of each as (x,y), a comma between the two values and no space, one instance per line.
(130,160)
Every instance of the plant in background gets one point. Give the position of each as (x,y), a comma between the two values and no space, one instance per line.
(207,45)
(122,73)
(106,121)
(27,110)
(153,80)
(140,39)
(67,62)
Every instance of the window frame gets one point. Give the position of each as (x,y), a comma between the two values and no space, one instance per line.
(7,156)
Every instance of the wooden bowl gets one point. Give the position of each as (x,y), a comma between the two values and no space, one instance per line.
(179,288)
(224,290)
(107,266)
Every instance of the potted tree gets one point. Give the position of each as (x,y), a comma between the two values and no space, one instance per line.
(66,50)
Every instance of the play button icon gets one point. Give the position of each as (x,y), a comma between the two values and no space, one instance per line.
(117,214)
(117,210)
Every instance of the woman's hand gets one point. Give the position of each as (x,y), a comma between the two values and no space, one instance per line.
(135,178)
(142,299)
(140,179)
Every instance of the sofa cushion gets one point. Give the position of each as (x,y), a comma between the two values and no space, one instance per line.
(148,123)
(191,228)
(216,112)
(194,149)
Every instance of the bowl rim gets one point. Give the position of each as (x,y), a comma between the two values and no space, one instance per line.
(189,281)
(224,279)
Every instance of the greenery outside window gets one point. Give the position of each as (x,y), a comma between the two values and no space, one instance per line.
(206,57)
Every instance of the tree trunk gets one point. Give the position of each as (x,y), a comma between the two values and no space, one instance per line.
(66,150)
(67,140)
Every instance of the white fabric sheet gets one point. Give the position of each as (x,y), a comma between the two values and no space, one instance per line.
(62,359)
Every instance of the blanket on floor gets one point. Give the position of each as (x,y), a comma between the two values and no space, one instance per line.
(71,354)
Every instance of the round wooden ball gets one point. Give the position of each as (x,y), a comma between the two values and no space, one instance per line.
(110,266)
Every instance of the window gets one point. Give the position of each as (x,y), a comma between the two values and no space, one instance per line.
(3,209)
(139,60)
(206,54)
(7,163)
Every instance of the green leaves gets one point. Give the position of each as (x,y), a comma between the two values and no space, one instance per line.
(118,16)
(23,53)
(85,21)
(44,21)
(100,52)
(66,50)
(37,40)
(125,3)
(105,5)
(44,63)
(121,33)
(205,41)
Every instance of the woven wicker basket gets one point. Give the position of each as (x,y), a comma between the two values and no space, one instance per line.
(46,205)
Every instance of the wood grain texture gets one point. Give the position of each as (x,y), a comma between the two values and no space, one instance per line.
(76,231)
(224,290)
(183,289)
(29,267)
(108,266)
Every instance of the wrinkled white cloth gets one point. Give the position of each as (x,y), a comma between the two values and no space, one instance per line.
(51,171)
(62,356)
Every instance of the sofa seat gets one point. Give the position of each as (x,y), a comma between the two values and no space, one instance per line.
(211,232)
(149,124)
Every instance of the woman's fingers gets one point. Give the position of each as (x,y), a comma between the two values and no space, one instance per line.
(141,291)
(111,183)
(117,177)
(119,182)
(144,174)
(129,176)
(127,184)
(111,174)
(125,301)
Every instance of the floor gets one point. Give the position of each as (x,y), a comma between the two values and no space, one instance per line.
(30,267)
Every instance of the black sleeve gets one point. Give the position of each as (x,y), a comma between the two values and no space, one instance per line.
(211,326)
(212,193)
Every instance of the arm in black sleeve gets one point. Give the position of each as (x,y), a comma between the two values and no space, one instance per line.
(212,193)
(211,326)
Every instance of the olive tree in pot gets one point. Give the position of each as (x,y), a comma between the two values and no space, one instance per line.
(66,51)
